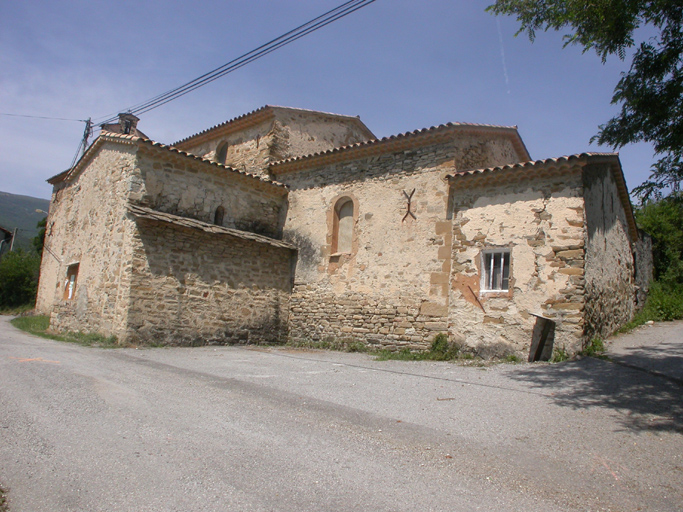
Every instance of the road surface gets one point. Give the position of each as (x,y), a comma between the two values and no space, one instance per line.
(266,429)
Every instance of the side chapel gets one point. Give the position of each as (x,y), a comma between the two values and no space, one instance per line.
(286,223)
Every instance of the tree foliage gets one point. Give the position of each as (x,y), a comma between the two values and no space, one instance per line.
(650,93)
(663,221)
(18,278)
(39,240)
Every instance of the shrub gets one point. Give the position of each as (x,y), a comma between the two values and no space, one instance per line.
(595,348)
(559,354)
(665,302)
(663,221)
(18,279)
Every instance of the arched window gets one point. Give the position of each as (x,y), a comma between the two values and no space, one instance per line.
(222,152)
(342,238)
(218,216)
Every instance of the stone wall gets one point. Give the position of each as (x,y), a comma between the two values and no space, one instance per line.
(88,225)
(248,149)
(189,287)
(392,288)
(304,132)
(644,267)
(540,221)
(178,185)
(285,133)
(610,283)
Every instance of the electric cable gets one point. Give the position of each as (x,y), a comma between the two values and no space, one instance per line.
(44,117)
(302,30)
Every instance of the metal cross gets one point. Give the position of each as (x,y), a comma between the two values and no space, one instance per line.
(409,198)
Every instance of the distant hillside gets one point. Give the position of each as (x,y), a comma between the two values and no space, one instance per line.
(20,212)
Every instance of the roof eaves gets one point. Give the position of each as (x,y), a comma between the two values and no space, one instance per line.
(242,121)
(132,139)
(502,173)
(259,115)
(392,143)
(176,220)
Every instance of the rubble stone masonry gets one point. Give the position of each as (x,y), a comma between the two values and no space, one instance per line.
(189,287)
(88,226)
(194,189)
(610,279)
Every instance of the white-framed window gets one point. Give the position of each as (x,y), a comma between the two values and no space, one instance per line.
(495,275)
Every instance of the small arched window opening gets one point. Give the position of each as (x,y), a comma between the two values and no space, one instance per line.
(218,216)
(222,153)
(342,238)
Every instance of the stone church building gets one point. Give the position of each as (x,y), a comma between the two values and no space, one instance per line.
(286,223)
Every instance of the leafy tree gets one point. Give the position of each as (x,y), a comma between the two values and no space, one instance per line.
(650,93)
(663,221)
(18,278)
(39,240)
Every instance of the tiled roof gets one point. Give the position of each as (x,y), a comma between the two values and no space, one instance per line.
(132,139)
(259,115)
(393,143)
(176,220)
(531,169)
(568,159)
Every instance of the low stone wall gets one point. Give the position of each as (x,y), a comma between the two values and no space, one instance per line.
(193,288)
(383,322)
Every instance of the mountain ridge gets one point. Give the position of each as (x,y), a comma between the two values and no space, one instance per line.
(19,211)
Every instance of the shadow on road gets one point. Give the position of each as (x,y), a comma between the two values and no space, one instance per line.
(646,402)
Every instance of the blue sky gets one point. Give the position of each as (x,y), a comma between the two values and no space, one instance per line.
(399,64)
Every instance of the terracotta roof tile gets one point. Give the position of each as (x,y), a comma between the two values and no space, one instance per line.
(517,171)
(406,137)
(533,163)
(133,139)
(264,112)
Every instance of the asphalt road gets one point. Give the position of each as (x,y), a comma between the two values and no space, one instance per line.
(249,429)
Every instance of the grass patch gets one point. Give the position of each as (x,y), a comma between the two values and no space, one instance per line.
(596,348)
(559,354)
(340,345)
(18,310)
(440,350)
(39,324)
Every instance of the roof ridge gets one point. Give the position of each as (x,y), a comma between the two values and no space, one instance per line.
(264,109)
(224,123)
(134,139)
(529,163)
(399,136)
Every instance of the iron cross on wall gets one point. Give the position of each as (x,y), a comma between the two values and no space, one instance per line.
(409,198)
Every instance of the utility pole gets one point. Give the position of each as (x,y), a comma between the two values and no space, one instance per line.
(11,245)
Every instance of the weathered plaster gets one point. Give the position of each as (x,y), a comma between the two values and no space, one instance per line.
(542,225)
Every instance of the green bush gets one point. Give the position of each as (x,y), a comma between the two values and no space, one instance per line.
(559,354)
(595,348)
(665,302)
(663,221)
(18,279)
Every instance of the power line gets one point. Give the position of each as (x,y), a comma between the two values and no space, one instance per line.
(43,117)
(302,30)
